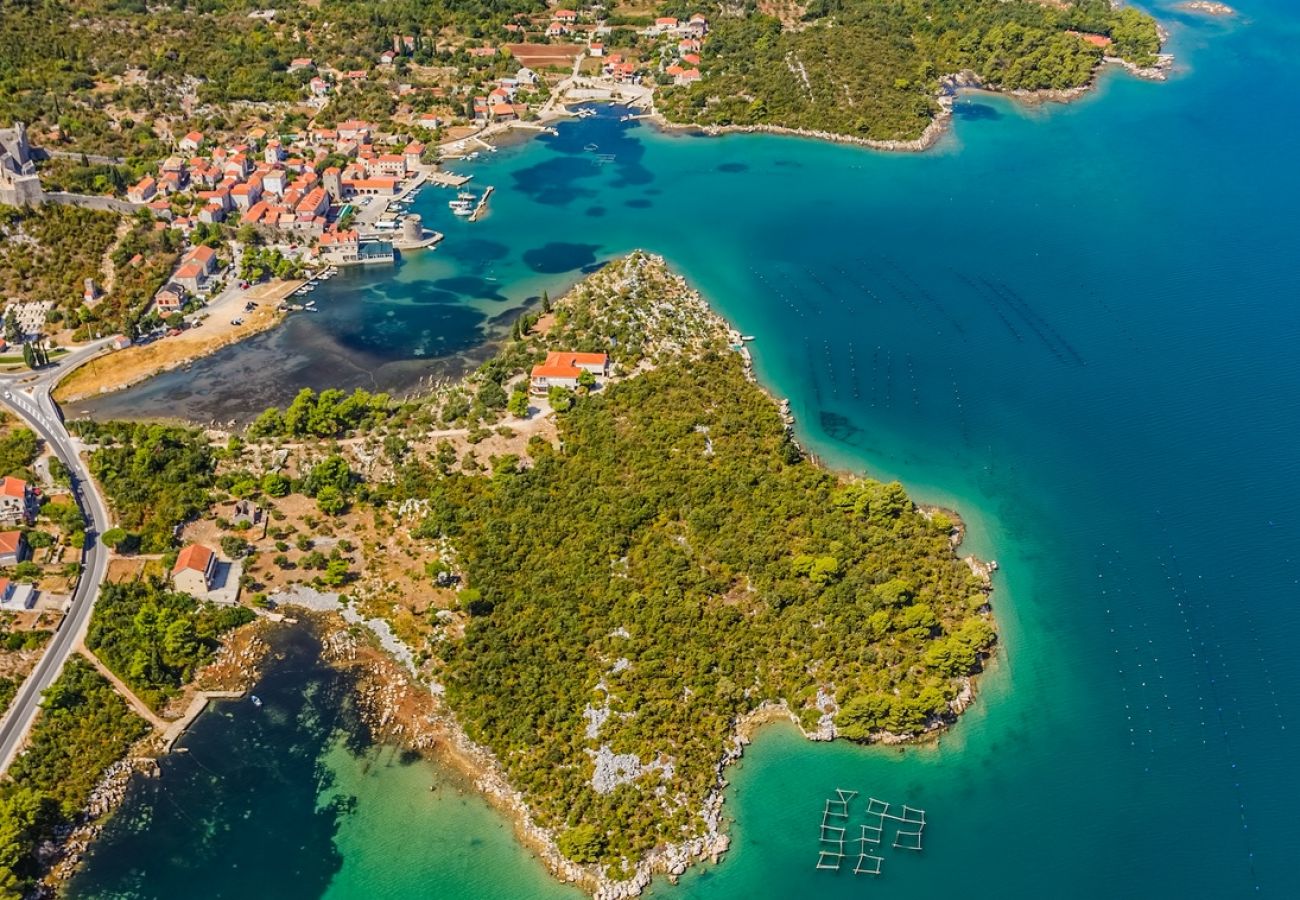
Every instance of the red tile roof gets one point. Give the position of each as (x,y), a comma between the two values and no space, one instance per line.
(12,487)
(560,364)
(10,541)
(195,557)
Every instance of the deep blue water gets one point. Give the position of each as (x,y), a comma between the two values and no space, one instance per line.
(1075,324)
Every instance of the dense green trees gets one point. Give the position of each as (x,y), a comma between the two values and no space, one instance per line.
(18,450)
(259,263)
(47,253)
(51,65)
(331,413)
(155,476)
(153,638)
(83,728)
(723,579)
(871,70)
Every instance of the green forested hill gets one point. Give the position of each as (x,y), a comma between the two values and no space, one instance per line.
(679,564)
(871,68)
(62,62)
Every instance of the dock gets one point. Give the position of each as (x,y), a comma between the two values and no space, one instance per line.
(449,179)
(196,707)
(482,205)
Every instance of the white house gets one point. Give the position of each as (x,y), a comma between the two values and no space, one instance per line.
(17,501)
(195,569)
(563,369)
(15,596)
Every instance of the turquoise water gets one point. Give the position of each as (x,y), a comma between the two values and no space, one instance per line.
(1075,324)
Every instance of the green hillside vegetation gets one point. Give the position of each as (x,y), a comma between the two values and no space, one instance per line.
(83,728)
(60,59)
(19,448)
(47,253)
(673,558)
(872,70)
(155,476)
(155,639)
(740,577)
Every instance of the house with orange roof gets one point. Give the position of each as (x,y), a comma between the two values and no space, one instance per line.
(564,368)
(393,164)
(380,185)
(195,570)
(566,15)
(299,63)
(354,130)
(143,190)
(274,182)
(340,247)
(246,194)
(316,203)
(13,548)
(169,299)
(1096,40)
(17,501)
(191,141)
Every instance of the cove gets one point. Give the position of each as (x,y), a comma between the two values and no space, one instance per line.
(1075,324)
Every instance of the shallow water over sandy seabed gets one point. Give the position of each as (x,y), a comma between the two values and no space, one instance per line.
(1074,324)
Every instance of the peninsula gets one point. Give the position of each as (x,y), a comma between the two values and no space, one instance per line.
(600,561)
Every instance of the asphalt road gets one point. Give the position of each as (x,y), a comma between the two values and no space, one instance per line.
(28,395)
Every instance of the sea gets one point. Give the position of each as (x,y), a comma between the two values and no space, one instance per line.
(1075,324)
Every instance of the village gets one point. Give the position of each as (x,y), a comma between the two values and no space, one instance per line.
(289,204)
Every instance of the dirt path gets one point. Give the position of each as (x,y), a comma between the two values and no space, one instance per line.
(138,705)
(107,266)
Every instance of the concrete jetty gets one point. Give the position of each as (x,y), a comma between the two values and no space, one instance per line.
(482,205)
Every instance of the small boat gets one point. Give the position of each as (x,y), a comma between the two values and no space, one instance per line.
(465,195)
(461,207)
(746,337)
(255,700)
(591,148)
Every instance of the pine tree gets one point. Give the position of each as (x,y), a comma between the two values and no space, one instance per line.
(546,302)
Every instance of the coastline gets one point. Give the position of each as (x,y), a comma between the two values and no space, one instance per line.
(232,673)
(403,705)
(139,362)
(954,85)
(124,375)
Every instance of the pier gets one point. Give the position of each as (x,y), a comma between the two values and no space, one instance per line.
(449,179)
(482,204)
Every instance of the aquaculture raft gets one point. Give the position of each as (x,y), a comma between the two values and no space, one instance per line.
(910,825)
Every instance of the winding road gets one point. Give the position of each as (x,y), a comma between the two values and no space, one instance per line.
(28,395)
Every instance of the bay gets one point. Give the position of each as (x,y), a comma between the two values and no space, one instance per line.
(1075,324)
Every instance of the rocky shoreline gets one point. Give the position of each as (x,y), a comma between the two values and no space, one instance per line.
(236,667)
